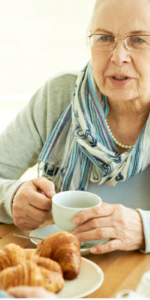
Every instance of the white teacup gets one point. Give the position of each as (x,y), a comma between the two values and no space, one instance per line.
(143,287)
(66,205)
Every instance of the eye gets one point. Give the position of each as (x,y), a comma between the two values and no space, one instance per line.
(104,38)
(138,43)
(138,40)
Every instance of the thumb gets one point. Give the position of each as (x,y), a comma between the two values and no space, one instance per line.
(45,186)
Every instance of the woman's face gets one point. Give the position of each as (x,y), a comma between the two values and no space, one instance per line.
(120,18)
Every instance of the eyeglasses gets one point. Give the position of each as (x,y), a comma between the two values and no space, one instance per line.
(108,42)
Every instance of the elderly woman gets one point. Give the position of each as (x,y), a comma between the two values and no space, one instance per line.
(89,132)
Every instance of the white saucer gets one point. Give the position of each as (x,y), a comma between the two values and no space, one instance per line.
(43,232)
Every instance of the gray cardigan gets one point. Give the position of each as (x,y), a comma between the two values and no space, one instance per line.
(24,138)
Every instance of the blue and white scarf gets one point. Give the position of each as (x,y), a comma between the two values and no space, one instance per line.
(80,147)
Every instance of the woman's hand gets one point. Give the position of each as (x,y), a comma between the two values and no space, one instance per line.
(30,292)
(32,202)
(121,224)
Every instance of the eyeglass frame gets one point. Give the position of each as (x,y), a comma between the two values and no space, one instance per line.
(115,39)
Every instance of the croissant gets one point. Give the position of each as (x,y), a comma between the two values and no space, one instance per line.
(64,248)
(29,253)
(28,273)
(11,255)
(47,263)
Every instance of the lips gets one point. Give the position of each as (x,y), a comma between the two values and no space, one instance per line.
(119,79)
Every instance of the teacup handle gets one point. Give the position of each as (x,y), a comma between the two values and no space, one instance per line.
(128,294)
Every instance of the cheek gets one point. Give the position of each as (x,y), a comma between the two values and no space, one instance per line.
(145,70)
(142,67)
(141,63)
(100,64)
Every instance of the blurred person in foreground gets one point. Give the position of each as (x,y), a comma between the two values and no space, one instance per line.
(89,131)
(27,292)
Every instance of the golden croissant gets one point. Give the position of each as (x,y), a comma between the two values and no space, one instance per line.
(12,255)
(47,263)
(64,248)
(29,253)
(28,273)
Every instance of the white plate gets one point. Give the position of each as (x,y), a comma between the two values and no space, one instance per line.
(43,232)
(89,280)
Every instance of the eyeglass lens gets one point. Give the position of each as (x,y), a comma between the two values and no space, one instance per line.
(106,42)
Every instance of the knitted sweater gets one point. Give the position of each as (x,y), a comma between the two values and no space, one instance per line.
(24,138)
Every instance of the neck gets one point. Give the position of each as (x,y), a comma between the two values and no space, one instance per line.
(129,110)
(126,121)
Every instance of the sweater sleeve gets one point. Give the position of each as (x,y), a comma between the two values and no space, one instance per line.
(145,216)
(20,145)
(24,138)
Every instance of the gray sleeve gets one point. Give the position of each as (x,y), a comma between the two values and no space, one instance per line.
(23,139)
(20,145)
(145,216)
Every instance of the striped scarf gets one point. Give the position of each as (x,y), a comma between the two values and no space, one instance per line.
(80,147)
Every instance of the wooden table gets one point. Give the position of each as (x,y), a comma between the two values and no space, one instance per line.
(122,270)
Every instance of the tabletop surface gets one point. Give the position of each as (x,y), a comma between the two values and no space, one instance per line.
(122,270)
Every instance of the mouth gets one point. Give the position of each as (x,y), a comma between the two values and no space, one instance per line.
(119,79)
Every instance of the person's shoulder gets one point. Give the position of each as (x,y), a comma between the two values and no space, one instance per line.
(65,80)
(59,88)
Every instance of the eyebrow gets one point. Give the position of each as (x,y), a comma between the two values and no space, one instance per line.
(131,32)
(140,32)
(104,30)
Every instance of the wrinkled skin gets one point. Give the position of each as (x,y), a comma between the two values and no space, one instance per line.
(121,224)
(32,203)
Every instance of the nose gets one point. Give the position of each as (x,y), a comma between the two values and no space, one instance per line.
(120,54)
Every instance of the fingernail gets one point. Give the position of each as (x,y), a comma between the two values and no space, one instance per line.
(93,250)
(76,220)
(51,193)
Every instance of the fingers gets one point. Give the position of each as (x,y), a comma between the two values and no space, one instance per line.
(116,222)
(26,223)
(45,186)
(40,191)
(32,194)
(30,292)
(32,204)
(110,246)
(96,234)
(40,201)
(37,214)
(93,224)
(123,244)
(94,212)
(33,198)
(31,219)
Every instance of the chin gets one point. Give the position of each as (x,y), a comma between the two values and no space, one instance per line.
(120,96)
